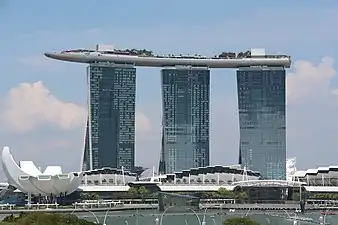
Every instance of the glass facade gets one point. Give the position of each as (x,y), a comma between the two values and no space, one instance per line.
(261,102)
(110,133)
(185,122)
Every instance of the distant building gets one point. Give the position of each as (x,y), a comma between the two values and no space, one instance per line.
(185,123)
(261,102)
(110,133)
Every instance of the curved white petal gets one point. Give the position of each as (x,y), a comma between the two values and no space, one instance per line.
(75,182)
(45,184)
(26,182)
(62,183)
(29,168)
(11,169)
(53,170)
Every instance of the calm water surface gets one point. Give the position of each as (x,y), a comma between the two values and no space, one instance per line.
(211,218)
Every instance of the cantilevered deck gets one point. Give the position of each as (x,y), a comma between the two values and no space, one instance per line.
(147,59)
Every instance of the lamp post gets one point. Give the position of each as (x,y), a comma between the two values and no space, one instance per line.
(286,212)
(322,219)
(247,212)
(205,212)
(221,212)
(105,217)
(137,215)
(199,220)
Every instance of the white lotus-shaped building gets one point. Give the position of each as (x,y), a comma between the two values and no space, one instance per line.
(29,179)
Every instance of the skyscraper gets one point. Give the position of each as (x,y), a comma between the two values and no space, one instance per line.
(261,102)
(185,123)
(110,132)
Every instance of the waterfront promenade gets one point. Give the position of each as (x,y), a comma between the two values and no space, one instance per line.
(209,217)
(145,214)
(9,209)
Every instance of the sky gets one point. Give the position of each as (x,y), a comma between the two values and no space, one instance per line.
(43,101)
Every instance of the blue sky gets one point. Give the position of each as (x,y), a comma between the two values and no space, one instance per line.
(43,101)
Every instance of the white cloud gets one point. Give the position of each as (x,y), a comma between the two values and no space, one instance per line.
(310,82)
(31,104)
(312,110)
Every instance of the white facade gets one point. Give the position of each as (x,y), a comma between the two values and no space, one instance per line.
(29,179)
(291,168)
(322,176)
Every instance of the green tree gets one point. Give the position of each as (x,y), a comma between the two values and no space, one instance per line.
(89,196)
(242,196)
(240,221)
(325,196)
(133,192)
(143,192)
(225,193)
(40,218)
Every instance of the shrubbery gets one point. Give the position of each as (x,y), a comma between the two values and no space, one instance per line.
(40,218)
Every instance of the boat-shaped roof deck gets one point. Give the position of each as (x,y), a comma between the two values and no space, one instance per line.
(148,59)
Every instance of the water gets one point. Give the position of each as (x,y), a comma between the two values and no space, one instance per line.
(211,218)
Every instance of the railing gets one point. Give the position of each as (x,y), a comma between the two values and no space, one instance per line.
(192,183)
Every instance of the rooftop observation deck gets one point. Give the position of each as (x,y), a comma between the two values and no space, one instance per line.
(146,58)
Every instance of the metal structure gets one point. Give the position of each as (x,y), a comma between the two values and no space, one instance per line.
(322,176)
(268,183)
